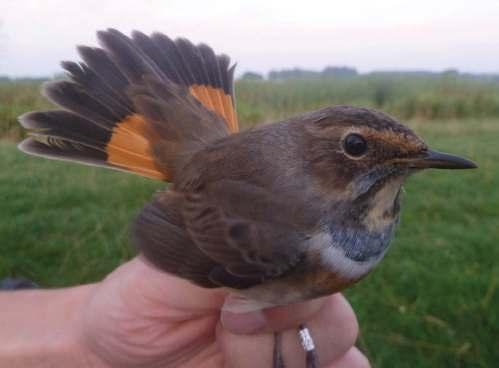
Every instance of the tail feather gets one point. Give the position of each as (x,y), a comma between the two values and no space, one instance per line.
(62,135)
(168,56)
(132,62)
(110,96)
(67,126)
(98,61)
(135,104)
(64,150)
(77,99)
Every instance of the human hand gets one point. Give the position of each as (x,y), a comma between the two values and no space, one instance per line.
(141,317)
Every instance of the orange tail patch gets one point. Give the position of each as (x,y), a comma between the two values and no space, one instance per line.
(216,100)
(130,148)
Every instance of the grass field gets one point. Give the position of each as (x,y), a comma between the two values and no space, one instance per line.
(434,301)
(406,96)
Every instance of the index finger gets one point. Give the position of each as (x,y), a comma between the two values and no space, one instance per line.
(333,328)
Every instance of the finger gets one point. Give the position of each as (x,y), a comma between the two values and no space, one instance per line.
(334,331)
(333,328)
(352,359)
(268,320)
(245,351)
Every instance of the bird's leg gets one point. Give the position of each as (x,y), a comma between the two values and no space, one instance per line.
(278,359)
(308,345)
(306,341)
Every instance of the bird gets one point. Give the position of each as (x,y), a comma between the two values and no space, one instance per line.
(277,214)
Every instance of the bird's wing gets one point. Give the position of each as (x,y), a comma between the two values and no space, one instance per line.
(134,104)
(159,234)
(241,234)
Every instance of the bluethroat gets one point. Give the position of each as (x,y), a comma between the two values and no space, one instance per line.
(278,214)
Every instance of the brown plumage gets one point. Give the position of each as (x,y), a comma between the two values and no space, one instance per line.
(283,212)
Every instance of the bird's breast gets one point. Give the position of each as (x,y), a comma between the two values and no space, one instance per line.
(335,259)
(348,253)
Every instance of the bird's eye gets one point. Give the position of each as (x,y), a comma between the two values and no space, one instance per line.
(355,145)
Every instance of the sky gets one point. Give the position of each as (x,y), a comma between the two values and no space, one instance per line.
(261,35)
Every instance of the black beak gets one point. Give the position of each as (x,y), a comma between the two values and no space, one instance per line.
(439,160)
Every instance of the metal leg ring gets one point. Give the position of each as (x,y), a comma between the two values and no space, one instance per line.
(308,345)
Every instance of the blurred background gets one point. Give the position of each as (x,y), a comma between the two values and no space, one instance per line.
(434,301)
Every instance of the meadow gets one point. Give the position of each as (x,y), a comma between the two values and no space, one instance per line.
(433,302)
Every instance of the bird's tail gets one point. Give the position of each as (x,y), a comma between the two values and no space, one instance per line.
(135,104)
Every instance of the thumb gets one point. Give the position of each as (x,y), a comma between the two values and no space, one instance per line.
(243,316)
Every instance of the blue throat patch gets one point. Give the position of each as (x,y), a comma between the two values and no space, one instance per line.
(359,244)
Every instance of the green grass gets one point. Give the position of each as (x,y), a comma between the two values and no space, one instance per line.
(62,223)
(405,96)
(15,99)
(434,301)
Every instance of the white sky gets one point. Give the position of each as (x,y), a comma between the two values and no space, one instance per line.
(265,34)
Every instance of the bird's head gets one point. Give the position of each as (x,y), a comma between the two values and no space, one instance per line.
(361,157)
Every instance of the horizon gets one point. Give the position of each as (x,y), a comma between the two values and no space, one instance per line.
(35,36)
(240,74)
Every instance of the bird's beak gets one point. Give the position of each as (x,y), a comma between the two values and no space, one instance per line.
(439,160)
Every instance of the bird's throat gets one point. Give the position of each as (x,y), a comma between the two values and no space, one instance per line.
(383,208)
(358,243)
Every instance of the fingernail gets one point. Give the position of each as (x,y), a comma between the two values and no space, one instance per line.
(243,323)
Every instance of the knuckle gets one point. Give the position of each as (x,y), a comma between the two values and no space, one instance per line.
(352,326)
(353,358)
(347,322)
(359,359)
(340,330)
(363,362)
